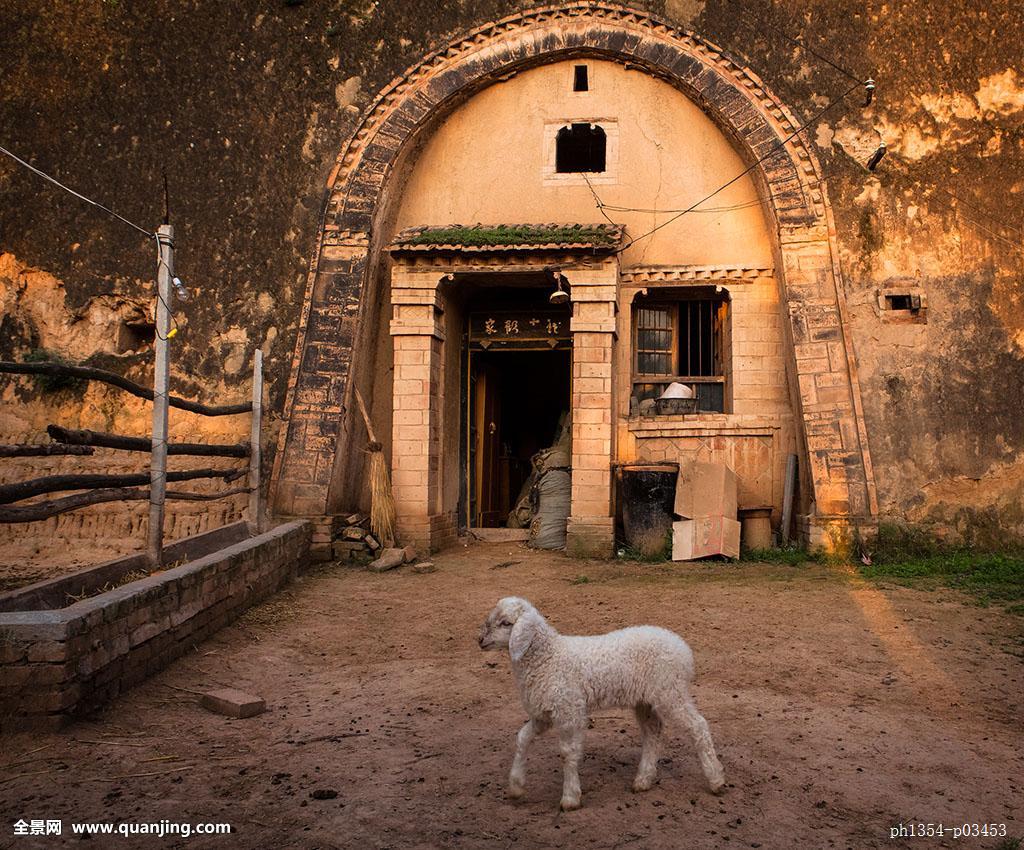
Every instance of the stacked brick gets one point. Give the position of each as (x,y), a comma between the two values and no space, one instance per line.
(353,540)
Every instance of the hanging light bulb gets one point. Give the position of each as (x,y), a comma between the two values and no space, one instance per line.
(559,296)
(179,289)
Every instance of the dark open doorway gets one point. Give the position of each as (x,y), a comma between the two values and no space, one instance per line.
(516,401)
(516,385)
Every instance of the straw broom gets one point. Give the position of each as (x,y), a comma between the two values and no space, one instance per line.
(382,503)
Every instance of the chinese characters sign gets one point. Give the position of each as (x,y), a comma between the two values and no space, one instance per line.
(520,329)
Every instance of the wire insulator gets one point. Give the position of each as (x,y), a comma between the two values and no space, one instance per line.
(869,91)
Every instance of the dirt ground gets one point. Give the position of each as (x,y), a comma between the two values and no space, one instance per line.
(839,710)
(28,562)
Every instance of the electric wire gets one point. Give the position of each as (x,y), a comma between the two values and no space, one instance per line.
(902,176)
(983,212)
(140,229)
(816,117)
(162,263)
(70,191)
(160,260)
(748,15)
(1013,246)
(597,200)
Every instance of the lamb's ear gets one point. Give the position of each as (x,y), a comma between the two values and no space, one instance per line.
(522,635)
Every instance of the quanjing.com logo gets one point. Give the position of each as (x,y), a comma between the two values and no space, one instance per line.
(158,828)
(37,827)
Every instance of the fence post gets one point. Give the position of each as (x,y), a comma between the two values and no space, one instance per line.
(161,388)
(255,512)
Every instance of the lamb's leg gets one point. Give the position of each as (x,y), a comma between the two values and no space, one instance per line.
(685,713)
(570,739)
(650,733)
(517,775)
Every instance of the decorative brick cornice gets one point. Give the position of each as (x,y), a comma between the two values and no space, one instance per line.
(460,261)
(334,236)
(686,274)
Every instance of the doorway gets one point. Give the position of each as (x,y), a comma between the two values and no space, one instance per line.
(517,400)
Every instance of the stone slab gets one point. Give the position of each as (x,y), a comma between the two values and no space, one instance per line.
(233,703)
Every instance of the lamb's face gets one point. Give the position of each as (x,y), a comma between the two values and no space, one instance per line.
(497,628)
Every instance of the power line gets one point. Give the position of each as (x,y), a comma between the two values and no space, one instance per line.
(1009,242)
(748,14)
(70,191)
(978,209)
(162,263)
(597,200)
(820,114)
(654,211)
(913,184)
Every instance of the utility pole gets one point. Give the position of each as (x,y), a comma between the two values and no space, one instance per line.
(161,387)
(255,510)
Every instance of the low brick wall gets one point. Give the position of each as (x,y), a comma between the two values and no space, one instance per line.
(58,592)
(56,664)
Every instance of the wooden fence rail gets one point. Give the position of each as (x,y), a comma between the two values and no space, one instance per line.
(142,444)
(54,483)
(44,450)
(44,510)
(88,373)
(119,488)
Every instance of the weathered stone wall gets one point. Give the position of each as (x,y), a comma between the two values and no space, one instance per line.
(56,664)
(246,110)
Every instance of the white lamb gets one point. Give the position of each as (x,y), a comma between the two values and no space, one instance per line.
(561,678)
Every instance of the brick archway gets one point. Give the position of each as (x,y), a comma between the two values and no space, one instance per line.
(341,293)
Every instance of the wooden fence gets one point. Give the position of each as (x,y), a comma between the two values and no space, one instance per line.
(99,488)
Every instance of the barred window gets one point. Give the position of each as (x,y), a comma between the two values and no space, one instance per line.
(681,340)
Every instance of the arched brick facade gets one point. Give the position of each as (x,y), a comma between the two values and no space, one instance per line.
(340,290)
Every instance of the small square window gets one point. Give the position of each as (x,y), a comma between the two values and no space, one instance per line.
(903,302)
(580,147)
(580,78)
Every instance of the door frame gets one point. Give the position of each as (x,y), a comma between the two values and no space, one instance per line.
(468,484)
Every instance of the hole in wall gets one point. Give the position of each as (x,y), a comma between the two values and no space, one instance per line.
(903,301)
(135,336)
(579,148)
(580,78)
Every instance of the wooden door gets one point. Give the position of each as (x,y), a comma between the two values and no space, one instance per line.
(487,429)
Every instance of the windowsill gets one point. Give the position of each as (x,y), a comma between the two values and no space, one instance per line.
(755,424)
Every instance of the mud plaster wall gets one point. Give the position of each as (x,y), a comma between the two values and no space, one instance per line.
(491,161)
(247,109)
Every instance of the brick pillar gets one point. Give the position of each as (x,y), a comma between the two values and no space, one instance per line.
(839,463)
(591,531)
(416,430)
(315,409)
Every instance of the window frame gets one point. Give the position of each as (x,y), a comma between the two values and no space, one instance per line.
(721,362)
(608,177)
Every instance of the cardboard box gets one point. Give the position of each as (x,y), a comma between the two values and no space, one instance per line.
(705,536)
(705,490)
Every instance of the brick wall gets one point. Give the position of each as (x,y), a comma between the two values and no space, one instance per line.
(759,428)
(57,664)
